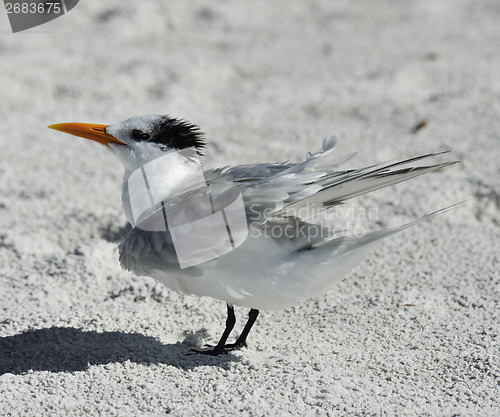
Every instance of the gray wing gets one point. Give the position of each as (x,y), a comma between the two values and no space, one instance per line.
(271,190)
(273,195)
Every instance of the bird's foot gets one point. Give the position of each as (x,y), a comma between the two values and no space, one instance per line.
(217,350)
(214,351)
(235,346)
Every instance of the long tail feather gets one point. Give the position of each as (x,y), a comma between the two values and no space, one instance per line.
(353,242)
(353,183)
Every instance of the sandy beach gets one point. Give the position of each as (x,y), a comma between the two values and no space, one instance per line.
(413,330)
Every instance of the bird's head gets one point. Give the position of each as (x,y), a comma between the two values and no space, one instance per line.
(140,139)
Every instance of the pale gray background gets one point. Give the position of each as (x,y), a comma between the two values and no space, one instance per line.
(412,331)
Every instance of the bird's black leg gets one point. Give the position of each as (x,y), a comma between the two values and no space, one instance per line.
(219,348)
(242,340)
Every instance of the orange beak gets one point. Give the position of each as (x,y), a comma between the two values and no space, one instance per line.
(88,131)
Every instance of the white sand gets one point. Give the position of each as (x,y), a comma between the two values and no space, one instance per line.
(412,331)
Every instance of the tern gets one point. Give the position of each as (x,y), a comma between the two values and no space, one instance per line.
(273,248)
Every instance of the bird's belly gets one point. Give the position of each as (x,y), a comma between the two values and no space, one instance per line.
(258,274)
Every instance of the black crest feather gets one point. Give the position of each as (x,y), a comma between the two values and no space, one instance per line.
(175,134)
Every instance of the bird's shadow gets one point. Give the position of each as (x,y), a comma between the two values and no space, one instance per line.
(66,349)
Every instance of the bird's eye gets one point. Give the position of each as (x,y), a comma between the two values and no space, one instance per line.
(139,135)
